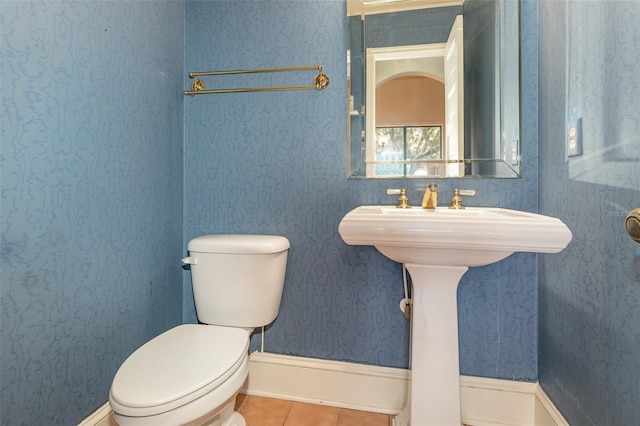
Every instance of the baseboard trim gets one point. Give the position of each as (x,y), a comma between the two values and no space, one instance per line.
(335,383)
(484,401)
(546,412)
(103,416)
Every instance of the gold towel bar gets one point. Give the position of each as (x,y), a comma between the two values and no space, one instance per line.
(321,81)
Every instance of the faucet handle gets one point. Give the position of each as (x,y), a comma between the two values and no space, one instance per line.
(456,200)
(403,200)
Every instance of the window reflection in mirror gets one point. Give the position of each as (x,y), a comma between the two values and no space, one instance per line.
(402,151)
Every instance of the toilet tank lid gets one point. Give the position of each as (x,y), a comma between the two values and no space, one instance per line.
(239,244)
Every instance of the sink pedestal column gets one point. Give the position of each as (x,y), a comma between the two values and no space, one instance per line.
(435,368)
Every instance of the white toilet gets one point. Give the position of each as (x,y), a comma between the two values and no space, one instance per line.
(191,374)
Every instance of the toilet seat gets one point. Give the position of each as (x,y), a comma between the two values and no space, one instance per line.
(176,368)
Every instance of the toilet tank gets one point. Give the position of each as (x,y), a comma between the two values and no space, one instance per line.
(237,279)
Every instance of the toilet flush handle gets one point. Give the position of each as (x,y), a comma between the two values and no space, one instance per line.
(190,261)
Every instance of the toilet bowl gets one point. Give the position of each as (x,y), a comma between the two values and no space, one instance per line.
(192,373)
(179,376)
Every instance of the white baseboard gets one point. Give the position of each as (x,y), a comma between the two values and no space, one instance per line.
(335,383)
(546,414)
(484,402)
(103,416)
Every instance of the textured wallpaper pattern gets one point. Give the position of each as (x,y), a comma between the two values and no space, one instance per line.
(91,197)
(276,163)
(590,293)
(92,180)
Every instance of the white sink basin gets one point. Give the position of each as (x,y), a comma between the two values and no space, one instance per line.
(474,236)
(437,248)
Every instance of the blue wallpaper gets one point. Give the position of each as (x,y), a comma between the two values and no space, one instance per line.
(93,155)
(276,163)
(590,293)
(91,197)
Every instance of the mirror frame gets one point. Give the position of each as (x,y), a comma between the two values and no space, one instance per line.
(506,149)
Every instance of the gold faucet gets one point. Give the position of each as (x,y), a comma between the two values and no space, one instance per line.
(403,200)
(456,200)
(430,198)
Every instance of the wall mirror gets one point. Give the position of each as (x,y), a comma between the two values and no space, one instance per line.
(433,88)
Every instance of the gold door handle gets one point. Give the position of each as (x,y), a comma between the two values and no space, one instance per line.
(632,224)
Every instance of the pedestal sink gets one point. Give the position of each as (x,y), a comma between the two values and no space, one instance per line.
(437,247)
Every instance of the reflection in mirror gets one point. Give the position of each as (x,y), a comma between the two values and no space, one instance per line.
(414,109)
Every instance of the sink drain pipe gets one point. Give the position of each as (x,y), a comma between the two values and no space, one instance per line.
(405,304)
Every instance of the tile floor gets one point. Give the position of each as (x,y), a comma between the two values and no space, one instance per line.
(261,411)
